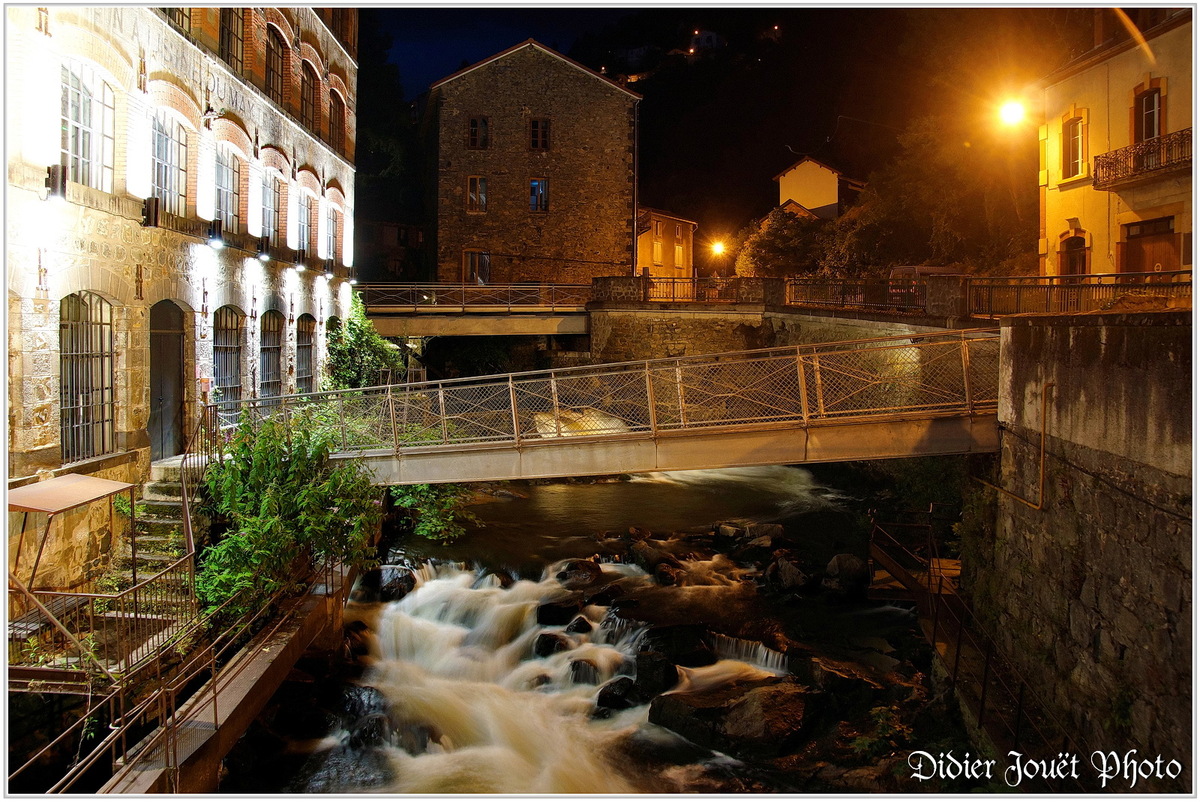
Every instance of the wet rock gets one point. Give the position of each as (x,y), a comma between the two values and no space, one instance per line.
(355,701)
(372,730)
(637,533)
(604,597)
(580,626)
(357,641)
(576,574)
(847,574)
(549,643)
(784,574)
(584,672)
(395,584)
(338,771)
(750,719)
(556,613)
(729,530)
(654,674)
(539,681)
(618,694)
(649,558)
(757,531)
(682,644)
(666,575)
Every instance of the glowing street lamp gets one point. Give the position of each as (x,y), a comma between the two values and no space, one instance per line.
(718,248)
(1012,112)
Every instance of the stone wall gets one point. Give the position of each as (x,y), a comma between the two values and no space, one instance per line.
(1090,595)
(588,228)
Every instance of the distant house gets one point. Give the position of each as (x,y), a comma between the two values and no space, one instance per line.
(664,244)
(535,180)
(1116,181)
(818,188)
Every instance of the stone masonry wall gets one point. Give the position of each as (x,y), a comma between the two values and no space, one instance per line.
(1090,596)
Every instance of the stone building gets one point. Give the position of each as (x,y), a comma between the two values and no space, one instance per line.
(179,221)
(536,171)
(1116,172)
(664,244)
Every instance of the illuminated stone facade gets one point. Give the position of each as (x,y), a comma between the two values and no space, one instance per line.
(215,113)
(535,171)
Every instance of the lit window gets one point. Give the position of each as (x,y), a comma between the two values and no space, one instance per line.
(331,234)
(305,326)
(272,195)
(1073,150)
(229,176)
(657,252)
(270,355)
(539,194)
(476,194)
(308,97)
(227,355)
(87,377)
(477,266)
(304,221)
(539,134)
(658,229)
(275,65)
(230,44)
(678,255)
(87,128)
(170,165)
(478,136)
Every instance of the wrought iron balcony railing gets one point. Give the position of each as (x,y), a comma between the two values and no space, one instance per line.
(1143,160)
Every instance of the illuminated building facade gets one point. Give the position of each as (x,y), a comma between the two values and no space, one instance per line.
(180,218)
(664,245)
(1116,172)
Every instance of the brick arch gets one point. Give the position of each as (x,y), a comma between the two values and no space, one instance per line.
(334,194)
(273,16)
(231,132)
(307,179)
(312,55)
(337,83)
(170,95)
(274,158)
(108,57)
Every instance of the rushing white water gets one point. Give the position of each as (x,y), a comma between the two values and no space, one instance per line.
(456,662)
(795,489)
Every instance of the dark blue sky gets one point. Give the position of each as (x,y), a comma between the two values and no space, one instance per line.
(432,43)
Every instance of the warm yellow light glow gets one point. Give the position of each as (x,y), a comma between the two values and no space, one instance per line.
(718,248)
(1012,112)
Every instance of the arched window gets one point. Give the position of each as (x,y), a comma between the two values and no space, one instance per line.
(170,165)
(229,197)
(270,355)
(227,353)
(86,376)
(232,37)
(1072,256)
(306,326)
(337,122)
(275,65)
(88,123)
(308,97)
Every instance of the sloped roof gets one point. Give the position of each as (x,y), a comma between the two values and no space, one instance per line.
(537,45)
(817,162)
(662,213)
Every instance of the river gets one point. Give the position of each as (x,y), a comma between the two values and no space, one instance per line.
(524,658)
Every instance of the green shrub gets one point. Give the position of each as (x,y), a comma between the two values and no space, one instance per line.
(358,355)
(437,512)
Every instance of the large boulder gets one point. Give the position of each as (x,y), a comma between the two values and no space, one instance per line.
(649,558)
(549,643)
(557,613)
(682,644)
(577,574)
(847,574)
(755,719)
(654,674)
(618,694)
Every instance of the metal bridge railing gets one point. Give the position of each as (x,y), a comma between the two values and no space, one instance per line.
(942,374)
(704,289)
(989,297)
(432,297)
(902,295)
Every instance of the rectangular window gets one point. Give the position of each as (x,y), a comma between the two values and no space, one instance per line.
(337,122)
(272,200)
(230,44)
(275,62)
(678,232)
(305,326)
(170,165)
(182,17)
(304,221)
(476,194)
(227,354)
(88,119)
(1073,148)
(678,255)
(477,267)
(478,136)
(539,194)
(270,353)
(539,134)
(331,238)
(229,177)
(657,252)
(87,377)
(1149,107)
(658,229)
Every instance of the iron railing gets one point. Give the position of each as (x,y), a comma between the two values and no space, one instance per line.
(440,297)
(1143,159)
(703,289)
(902,295)
(942,374)
(990,297)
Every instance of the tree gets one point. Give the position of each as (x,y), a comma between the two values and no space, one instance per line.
(783,244)
(358,356)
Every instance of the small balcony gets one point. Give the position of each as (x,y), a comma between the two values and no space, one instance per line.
(1144,161)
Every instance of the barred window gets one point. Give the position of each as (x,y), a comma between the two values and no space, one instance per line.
(229,176)
(304,221)
(230,44)
(272,199)
(88,122)
(275,65)
(227,353)
(308,97)
(170,165)
(270,355)
(337,122)
(87,374)
(306,325)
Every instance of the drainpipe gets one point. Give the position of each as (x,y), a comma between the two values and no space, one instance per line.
(634,215)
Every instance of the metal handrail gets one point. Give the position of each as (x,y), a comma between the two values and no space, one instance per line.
(989,297)
(899,294)
(432,297)
(1133,162)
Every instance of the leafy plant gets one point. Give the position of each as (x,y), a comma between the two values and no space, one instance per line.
(887,732)
(437,512)
(358,356)
(288,507)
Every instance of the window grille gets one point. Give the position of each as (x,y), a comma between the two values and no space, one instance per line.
(230,44)
(306,325)
(477,267)
(227,353)
(170,165)
(270,355)
(86,377)
(88,123)
(229,176)
(275,65)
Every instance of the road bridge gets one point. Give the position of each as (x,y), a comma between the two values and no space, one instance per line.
(863,399)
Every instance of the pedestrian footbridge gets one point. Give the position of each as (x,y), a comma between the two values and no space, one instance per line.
(863,399)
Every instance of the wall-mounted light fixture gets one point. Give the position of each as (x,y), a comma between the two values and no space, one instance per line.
(215,241)
(150,208)
(264,249)
(56,183)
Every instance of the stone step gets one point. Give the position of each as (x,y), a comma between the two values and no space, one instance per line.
(166,470)
(162,491)
(159,528)
(160,510)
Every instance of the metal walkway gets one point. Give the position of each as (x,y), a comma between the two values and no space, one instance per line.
(863,399)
